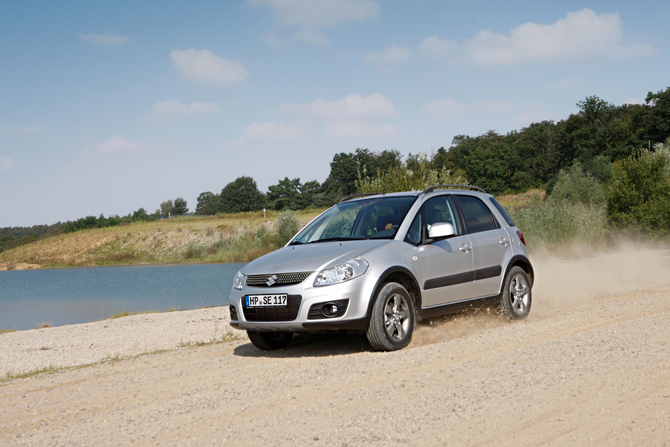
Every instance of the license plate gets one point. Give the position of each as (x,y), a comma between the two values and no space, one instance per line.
(266,300)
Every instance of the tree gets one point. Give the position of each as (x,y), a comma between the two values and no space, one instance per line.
(285,195)
(209,204)
(180,206)
(241,195)
(659,122)
(167,208)
(140,214)
(344,168)
(311,195)
(638,200)
(576,185)
(414,175)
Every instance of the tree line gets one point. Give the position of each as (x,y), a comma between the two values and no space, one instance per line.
(599,137)
(599,134)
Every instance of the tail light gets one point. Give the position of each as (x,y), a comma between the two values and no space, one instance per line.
(518,232)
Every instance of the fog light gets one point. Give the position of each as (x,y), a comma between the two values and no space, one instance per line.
(333,309)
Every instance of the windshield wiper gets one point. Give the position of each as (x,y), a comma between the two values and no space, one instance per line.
(331,239)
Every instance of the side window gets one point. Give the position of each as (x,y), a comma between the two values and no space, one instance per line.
(414,233)
(440,209)
(477,215)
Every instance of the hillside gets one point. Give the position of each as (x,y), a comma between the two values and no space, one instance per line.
(223,238)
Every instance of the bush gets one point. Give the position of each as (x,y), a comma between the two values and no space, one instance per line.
(638,200)
(556,223)
(286,227)
(577,185)
(413,177)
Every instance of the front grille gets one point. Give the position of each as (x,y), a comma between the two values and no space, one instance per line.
(277,279)
(288,313)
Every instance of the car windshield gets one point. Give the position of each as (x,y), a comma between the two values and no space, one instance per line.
(377,218)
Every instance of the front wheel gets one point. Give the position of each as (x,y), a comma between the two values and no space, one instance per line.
(392,319)
(516,296)
(269,341)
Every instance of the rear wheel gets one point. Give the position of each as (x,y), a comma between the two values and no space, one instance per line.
(269,341)
(392,319)
(516,296)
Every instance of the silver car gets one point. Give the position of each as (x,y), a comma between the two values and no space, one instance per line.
(379,263)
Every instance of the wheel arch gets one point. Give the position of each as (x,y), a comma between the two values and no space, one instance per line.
(524,263)
(402,276)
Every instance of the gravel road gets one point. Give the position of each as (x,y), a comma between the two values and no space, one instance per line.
(590,366)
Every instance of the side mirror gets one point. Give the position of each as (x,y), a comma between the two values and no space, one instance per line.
(441,230)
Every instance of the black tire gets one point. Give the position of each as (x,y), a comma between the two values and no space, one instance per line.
(516,295)
(269,341)
(392,319)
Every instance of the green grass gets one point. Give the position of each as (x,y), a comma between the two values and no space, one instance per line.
(6,331)
(556,225)
(228,338)
(239,237)
(11,376)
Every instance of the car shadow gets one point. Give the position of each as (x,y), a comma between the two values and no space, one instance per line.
(312,345)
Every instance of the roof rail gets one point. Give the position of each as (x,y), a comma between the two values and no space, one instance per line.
(363,194)
(434,187)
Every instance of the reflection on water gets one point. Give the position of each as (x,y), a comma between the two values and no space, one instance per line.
(68,296)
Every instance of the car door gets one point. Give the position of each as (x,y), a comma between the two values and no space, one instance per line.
(446,265)
(491,246)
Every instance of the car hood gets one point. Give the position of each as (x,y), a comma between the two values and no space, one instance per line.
(310,257)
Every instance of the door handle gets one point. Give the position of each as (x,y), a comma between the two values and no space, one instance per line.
(504,241)
(465,248)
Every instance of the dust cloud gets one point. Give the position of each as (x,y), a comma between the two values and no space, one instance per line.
(564,282)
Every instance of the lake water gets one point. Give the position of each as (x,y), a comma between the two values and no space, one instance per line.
(79,295)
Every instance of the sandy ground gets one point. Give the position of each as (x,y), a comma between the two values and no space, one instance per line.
(590,366)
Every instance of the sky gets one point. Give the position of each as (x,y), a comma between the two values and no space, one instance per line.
(107,107)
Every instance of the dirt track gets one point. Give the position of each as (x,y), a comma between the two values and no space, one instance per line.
(591,366)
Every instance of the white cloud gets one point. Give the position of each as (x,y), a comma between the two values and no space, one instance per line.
(174,107)
(6,164)
(435,48)
(392,55)
(274,41)
(635,101)
(206,67)
(359,129)
(103,39)
(311,16)
(119,148)
(581,35)
(450,109)
(272,131)
(350,107)
(523,115)
(168,111)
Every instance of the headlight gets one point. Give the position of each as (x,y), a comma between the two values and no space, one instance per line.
(343,272)
(238,281)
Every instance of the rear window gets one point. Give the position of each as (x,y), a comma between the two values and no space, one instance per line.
(502,211)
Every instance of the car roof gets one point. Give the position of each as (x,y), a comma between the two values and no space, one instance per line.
(432,189)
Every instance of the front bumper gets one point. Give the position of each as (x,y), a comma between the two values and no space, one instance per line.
(305,296)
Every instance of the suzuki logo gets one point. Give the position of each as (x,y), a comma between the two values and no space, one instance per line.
(271,280)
